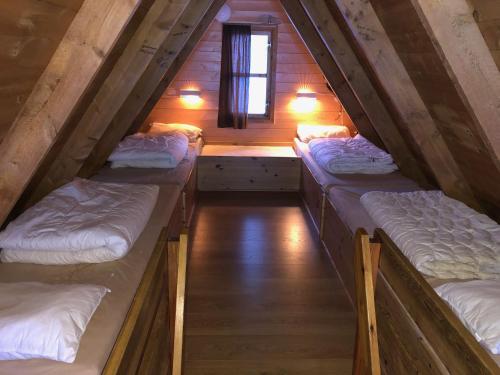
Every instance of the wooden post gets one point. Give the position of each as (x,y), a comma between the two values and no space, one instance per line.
(177,265)
(198,12)
(366,259)
(84,48)
(374,42)
(343,54)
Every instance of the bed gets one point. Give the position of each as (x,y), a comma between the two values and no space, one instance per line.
(317,182)
(343,215)
(184,176)
(417,330)
(117,335)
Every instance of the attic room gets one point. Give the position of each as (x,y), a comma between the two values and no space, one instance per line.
(249,187)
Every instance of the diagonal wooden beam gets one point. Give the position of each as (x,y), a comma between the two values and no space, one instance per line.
(161,71)
(374,42)
(82,51)
(468,61)
(154,29)
(343,54)
(330,69)
(176,66)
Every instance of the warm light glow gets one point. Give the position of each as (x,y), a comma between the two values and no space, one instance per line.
(191,97)
(305,102)
(304,105)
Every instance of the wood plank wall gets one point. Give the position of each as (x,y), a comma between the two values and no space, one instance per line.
(295,69)
(487,15)
(30,31)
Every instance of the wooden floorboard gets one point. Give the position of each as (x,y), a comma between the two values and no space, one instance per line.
(261,295)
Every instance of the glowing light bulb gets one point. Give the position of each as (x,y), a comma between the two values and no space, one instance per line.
(191,97)
(305,102)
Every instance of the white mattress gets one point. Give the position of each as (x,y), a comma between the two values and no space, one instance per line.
(351,155)
(346,200)
(157,176)
(441,236)
(371,181)
(122,277)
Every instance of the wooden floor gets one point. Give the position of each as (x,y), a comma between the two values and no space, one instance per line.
(262,297)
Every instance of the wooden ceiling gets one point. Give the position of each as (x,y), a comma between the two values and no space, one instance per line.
(30,31)
(420,76)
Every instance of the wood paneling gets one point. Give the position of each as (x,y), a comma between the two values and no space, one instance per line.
(30,32)
(253,170)
(295,69)
(313,195)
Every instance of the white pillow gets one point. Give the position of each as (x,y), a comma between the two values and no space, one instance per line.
(45,321)
(477,304)
(191,131)
(307,133)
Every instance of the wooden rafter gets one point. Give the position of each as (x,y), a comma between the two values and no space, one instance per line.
(469,63)
(196,14)
(330,69)
(344,56)
(369,33)
(84,48)
(156,26)
(176,66)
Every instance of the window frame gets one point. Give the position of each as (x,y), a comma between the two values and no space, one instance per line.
(270,30)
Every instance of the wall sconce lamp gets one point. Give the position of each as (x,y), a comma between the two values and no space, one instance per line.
(191,97)
(305,102)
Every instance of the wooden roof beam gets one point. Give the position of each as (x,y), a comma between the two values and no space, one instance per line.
(374,42)
(154,29)
(82,51)
(457,38)
(343,54)
(333,74)
(167,61)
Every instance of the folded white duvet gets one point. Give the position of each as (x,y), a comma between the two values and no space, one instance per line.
(150,151)
(442,237)
(82,222)
(351,155)
(45,321)
(477,304)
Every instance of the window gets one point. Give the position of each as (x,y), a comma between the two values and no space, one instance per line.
(259,102)
(247,74)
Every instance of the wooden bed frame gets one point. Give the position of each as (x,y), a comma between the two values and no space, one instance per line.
(150,341)
(417,331)
(313,197)
(189,196)
(338,241)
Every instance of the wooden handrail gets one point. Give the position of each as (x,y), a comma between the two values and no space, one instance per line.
(366,260)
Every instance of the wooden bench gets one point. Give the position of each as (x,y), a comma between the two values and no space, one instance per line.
(248,168)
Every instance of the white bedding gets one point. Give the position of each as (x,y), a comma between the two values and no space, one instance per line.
(307,133)
(351,155)
(82,222)
(477,304)
(442,237)
(150,151)
(45,321)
